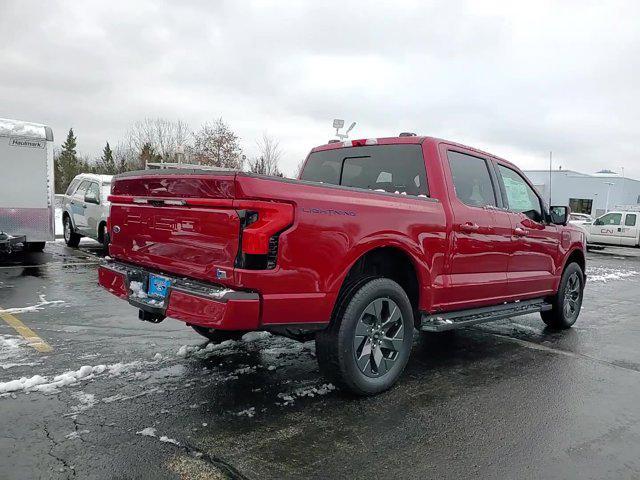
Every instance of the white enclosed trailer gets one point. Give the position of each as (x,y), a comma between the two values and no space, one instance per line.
(26,184)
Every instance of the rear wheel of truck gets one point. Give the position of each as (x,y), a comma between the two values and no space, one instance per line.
(568,301)
(217,336)
(71,238)
(368,343)
(34,246)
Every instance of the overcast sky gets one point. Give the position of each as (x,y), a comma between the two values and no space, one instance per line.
(512,78)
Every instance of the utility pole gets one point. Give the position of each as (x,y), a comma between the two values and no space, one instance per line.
(606,208)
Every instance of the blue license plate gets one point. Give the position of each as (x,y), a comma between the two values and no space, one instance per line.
(158,286)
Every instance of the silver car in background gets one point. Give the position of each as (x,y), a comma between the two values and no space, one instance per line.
(85,209)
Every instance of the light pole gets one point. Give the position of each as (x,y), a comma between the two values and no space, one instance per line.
(606,208)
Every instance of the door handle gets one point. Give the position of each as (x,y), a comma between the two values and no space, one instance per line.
(84,206)
(519,231)
(469,227)
(72,203)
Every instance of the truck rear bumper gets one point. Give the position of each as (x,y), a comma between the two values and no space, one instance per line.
(196,303)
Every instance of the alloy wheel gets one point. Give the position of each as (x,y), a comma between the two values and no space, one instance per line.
(378,338)
(572,297)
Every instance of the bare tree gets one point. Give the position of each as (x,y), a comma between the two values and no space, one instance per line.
(163,135)
(269,156)
(126,158)
(216,144)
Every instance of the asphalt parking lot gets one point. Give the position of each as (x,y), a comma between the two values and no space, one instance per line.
(120,398)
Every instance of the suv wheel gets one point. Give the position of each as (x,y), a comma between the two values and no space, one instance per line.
(568,301)
(368,343)
(105,238)
(71,238)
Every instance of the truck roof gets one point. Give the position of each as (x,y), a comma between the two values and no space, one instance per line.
(19,128)
(400,140)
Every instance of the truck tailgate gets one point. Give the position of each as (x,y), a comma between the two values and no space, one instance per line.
(183,224)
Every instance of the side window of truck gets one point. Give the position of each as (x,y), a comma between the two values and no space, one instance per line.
(609,219)
(471,179)
(630,220)
(520,196)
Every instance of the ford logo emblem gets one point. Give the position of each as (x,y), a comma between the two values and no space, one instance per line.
(116,229)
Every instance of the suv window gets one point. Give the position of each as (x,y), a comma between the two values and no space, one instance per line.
(95,189)
(521,197)
(630,220)
(79,193)
(389,168)
(609,219)
(471,179)
(72,186)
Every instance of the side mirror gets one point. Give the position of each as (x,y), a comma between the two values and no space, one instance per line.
(90,197)
(559,215)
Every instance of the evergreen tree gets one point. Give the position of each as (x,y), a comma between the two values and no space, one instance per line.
(106,164)
(67,164)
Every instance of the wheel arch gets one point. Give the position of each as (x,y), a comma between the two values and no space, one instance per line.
(389,261)
(576,255)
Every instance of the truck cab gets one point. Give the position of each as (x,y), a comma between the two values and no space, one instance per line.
(619,228)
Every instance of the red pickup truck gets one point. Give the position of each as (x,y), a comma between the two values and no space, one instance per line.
(377,238)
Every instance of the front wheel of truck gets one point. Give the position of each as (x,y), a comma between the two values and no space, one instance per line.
(368,343)
(567,302)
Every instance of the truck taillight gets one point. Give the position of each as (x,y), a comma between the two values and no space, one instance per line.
(263,220)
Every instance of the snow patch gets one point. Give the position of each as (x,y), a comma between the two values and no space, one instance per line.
(52,384)
(76,434)
(32,308)
(604,274)
(253,336)
(137,289)
(249,412)
(312,391)
(151,432)
(201,352)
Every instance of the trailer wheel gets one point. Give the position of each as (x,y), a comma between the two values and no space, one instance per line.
(368,343)
(34,246)
(71,238)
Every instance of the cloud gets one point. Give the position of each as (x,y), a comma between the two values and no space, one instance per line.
(515,79)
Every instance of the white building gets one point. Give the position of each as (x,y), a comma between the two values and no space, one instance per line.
(586,193)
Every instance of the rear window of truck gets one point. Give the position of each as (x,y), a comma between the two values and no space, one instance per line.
(388,168)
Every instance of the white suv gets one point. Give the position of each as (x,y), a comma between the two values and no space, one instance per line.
(85,209)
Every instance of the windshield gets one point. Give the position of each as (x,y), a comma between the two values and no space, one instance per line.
(388,168)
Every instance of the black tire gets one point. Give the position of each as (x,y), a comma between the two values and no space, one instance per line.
(34,246)
(71,238)
(355,332)
(104,238)
(217,336)
(568,301)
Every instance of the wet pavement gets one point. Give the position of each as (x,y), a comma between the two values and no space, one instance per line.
(504,400)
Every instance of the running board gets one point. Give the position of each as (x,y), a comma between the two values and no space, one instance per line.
(463,318)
